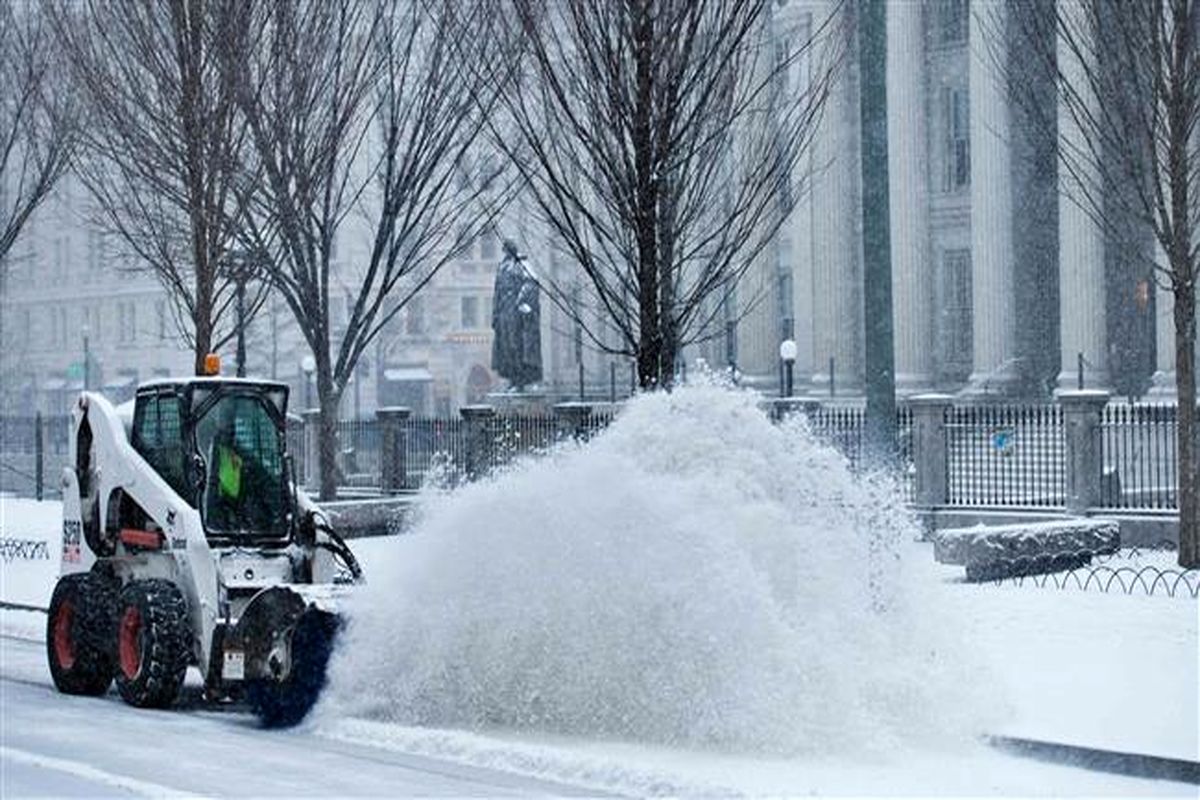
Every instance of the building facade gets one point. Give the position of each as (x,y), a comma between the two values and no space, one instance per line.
(1002,286)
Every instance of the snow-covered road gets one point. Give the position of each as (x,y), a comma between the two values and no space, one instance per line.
(57,746)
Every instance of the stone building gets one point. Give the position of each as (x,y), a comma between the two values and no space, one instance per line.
(1002,285)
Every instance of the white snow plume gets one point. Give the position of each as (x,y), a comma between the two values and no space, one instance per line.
(693,576)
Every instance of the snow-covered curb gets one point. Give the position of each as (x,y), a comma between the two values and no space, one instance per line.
(542,761)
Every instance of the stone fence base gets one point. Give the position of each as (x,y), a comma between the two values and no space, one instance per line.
(1143,529)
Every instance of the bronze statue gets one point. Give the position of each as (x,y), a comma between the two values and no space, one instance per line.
(516,320)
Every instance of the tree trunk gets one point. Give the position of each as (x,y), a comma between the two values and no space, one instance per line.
(646,199)
(202,322)
(1189,474)
(329,397)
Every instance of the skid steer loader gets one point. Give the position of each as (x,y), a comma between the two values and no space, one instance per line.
(187,542)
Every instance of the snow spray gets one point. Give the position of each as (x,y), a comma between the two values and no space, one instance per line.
(693,576)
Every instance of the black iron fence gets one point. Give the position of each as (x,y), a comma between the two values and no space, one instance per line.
(434,445)
(1138,456)
(1005,455)
(844,428)
(991,455)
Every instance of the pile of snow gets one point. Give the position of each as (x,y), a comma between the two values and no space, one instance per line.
(694,576)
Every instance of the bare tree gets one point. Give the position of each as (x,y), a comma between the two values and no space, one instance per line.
(162,148)
(1127,124)
(37,118)
(659,141)
(365,117)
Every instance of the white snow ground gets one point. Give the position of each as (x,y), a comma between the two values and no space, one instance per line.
(537,584)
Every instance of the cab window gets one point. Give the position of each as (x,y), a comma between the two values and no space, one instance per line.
(158,437)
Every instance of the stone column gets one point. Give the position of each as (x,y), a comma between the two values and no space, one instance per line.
(1080,239)
(477,424)
(929,448)
(996,371)
(1081,431)
(912,273)
(393,448)
(837,268)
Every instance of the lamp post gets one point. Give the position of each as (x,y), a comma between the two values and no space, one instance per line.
(787,353)
(308,364)
(87,361)
(241,324)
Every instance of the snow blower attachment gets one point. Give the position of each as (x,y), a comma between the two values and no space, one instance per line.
(186,542)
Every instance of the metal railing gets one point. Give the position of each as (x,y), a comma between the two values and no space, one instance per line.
(1138,456)
(434,444)
(358,453)
(1009,455)
(842,427)
(512,436)
(995,456)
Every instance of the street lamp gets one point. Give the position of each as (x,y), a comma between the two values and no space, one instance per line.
(787,352)
(308,364)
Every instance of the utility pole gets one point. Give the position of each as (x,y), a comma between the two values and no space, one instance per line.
(877,254)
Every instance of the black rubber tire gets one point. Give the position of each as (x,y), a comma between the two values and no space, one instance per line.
(281,704)
(153,643)
(79,628)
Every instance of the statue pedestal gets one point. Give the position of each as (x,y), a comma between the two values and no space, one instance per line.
(525,404)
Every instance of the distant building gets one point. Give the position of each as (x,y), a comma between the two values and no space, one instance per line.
(69,293)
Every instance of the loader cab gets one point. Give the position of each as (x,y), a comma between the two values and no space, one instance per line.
(220,443)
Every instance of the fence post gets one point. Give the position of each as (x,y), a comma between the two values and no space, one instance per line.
(39,457)
(393,448)
(477,422)
(312,449)
(929,448)
(572,419)
(1081,432)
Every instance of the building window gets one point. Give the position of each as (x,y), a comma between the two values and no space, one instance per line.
(414,323)
(467,244)
(470,312)
(487,246)
(783,46)
(729,304)
(488,172)
(950,21)
(95,255)
(954,321)
(127,322)
(60,262)
(956,119)
(160,313)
